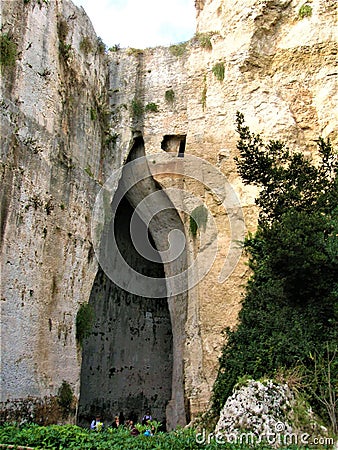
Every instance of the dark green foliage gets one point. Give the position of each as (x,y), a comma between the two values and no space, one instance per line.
(152,107)
(89,172)
(289,180)
(93,114)
(8,50)
(101,46)
(290,310)
(114,48)
(136,107)
(65,50)
(73,437)
(169,95)
(84,322)
(65,398)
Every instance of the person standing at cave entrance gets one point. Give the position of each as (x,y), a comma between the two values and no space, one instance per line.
(121,418)
(146,418)
(96,424)
(116,422)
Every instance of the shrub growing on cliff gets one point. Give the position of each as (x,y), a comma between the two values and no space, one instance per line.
(204,40)
(290,309)
(178,49)
(8,50)
(305,11)
(218,70)
(169,96)
(136,108)
(65,398)
(84,322)
(151,107)
(101,46)
(86,45)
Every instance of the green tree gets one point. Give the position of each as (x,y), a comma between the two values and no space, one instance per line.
(290,308)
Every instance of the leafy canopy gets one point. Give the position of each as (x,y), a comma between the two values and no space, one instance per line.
(290,309)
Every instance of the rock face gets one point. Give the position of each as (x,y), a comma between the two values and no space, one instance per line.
(267,411)
(258,408)
(71,114)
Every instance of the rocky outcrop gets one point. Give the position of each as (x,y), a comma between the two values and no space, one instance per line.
(260,408)
(270,412)
(70,113)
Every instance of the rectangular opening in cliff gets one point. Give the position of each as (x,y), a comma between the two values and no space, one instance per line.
(174,143)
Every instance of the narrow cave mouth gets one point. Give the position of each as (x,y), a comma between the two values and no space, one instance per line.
(174,143)
(127,362)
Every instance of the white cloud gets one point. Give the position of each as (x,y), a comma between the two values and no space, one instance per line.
(141,23)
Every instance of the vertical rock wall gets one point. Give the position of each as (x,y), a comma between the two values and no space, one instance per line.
(51,161)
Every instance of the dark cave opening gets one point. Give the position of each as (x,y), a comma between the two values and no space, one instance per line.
(174,143)
(127,361)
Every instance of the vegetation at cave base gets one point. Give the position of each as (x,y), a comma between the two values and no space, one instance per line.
(74,437)
(289,315)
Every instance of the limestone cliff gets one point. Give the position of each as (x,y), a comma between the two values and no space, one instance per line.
(72,113)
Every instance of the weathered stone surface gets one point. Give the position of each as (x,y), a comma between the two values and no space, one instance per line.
(68,117)
(267,411)
(262,409)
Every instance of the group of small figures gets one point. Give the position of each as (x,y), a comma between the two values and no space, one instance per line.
(98,425)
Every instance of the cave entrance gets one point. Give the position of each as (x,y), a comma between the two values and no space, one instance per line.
(174,143)
(134,358)
(127,361)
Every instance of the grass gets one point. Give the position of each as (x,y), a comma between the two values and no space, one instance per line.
(71,437)
(178,49)
(204,40)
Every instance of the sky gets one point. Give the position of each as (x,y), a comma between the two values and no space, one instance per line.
(141,23)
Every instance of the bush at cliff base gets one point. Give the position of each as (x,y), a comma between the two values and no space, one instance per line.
(60,437)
